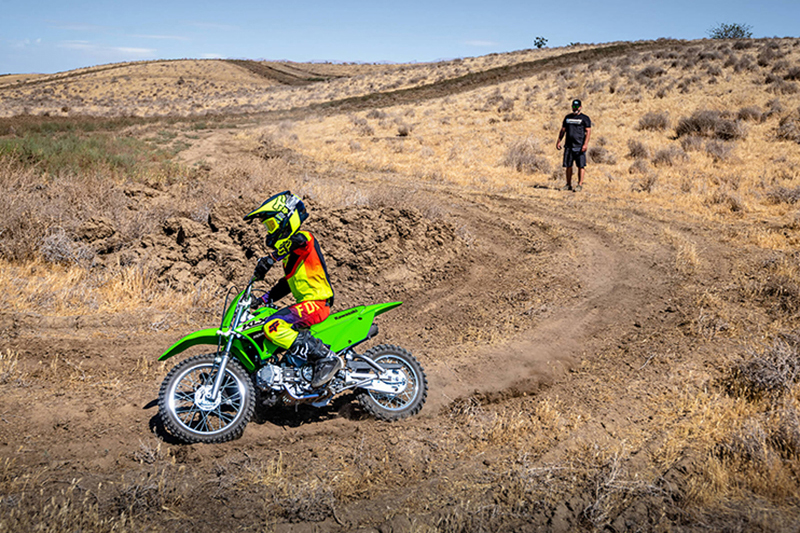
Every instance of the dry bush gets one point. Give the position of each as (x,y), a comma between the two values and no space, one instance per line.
(269,147)
(779,66)
(749,114)
(595,87)
(650,72)
(639,166)
(378,114)
(789,129)
(506,105)
(774,107)
(747,444)
(792,74)
(785,429)
(771,372)
(719,151)
(9,370)
(598,154)
(58,247)
(39,212)
(525,155)
(778,286)
(654,121)
(365,130)
(723,196)
(685,84)
(646,183)
(709,123)
(692,143)
(783,195)
(781,86)
(668,156)
(767,55)
(637,149)
(745,64)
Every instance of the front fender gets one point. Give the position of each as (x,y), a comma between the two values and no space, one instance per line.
(210,337)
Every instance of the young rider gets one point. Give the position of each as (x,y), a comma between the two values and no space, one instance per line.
(305,276)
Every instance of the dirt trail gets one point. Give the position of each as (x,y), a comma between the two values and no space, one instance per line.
(540,288)
(609,288)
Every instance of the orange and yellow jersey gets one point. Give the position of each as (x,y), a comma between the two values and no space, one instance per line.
(305,273)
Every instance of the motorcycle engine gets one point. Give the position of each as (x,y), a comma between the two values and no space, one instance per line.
(270,377)
(273,378)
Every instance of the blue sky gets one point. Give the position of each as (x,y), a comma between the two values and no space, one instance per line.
(45,36)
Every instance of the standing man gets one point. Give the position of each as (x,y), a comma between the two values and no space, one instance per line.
(578,128)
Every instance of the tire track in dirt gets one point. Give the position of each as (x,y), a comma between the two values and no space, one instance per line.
(615,285)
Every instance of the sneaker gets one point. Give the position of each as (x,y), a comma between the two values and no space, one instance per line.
(578,188)
(565,188)
(325,369)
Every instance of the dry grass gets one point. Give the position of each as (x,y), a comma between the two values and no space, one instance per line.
(687,259)
(735,172)
(9,370)
(73,508)
(74,289)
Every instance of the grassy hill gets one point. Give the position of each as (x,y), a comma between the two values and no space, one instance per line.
(624,357)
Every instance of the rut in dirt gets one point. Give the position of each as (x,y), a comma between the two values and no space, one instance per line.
(606,282)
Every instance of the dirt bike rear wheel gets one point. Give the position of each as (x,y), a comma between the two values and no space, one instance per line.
(391,407)
(188,415)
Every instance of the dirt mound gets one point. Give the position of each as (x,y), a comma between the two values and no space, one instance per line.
(386,252)
(365,249)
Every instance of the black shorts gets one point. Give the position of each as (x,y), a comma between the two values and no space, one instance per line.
(570,157)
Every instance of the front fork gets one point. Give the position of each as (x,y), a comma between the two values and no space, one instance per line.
(221,361)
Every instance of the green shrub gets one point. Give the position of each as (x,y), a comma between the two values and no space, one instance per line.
(75,153)
(732,30)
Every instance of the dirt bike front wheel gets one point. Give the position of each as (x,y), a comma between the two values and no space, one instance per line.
(396,406)
(189,413)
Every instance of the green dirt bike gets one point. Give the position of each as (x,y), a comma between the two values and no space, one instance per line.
(211,398)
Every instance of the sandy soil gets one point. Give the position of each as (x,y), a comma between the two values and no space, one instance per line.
(541,288)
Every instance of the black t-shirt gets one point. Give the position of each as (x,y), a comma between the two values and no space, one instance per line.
(576,125)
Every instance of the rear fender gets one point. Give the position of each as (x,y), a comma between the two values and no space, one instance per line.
(351,326)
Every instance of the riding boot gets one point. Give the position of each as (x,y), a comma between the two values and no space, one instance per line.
(326,363)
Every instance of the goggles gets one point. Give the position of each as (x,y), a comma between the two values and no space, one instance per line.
(273,223)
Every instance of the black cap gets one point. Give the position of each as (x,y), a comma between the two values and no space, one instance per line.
(576,103)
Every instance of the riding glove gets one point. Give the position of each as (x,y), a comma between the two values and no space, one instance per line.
(263,266)
(264,299)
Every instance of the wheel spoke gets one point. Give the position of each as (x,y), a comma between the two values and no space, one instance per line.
(227,419)
(233,398)
(181,396)
(204,420)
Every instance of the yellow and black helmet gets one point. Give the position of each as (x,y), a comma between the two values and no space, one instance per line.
(282,215)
